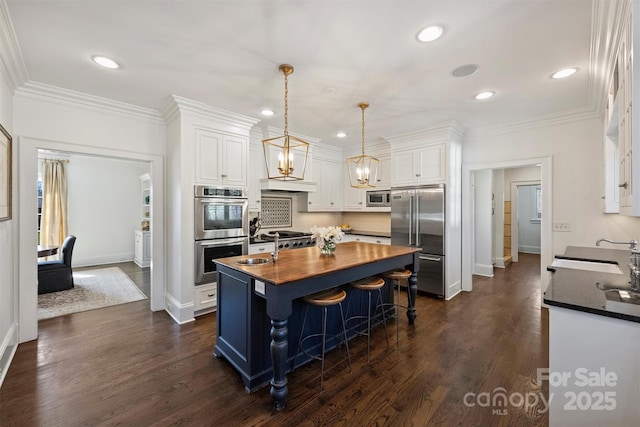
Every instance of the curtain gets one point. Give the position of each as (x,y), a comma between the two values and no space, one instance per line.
(53,226)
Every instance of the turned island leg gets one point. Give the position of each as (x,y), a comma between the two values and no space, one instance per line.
(412,293)
(279,351)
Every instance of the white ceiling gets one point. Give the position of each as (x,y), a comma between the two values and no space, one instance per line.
(226,54)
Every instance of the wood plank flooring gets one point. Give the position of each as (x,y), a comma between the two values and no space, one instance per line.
(124,365)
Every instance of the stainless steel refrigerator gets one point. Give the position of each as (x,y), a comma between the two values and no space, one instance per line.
(418,220)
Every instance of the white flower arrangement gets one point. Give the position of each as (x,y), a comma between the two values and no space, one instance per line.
(324,235)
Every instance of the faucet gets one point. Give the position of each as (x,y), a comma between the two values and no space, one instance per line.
(634,258)
(276,251)
(633,244)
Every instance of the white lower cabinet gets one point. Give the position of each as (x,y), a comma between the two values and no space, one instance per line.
(261,248)
(205,298)
(142,248)
(365,239)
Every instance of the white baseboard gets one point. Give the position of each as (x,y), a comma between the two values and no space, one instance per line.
(529,249)
(454,289)
(103,259)
(500,263)
(180,313)
(483,269)
(8,349)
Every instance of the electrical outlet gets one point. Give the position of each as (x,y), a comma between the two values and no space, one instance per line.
(562,227)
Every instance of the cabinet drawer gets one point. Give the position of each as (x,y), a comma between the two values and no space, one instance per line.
(261,248)
(205,296)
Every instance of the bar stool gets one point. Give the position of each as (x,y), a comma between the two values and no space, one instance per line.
(369,285)
(398,278)
(323,299)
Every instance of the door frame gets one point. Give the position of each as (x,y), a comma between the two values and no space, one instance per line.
(28,270)
(514,215)
(468,217)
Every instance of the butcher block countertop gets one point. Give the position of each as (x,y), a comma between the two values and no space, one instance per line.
(304,263)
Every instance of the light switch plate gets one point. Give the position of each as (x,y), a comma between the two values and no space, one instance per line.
(562,227)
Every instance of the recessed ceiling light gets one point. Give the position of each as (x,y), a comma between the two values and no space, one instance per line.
(564,73)
(341,134)
(464,70)
(267,113)
(430,33)
(105,62)
(484,95)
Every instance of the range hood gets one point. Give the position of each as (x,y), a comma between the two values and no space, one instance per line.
(294,186)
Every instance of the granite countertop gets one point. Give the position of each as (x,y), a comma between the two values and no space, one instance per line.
(578,289)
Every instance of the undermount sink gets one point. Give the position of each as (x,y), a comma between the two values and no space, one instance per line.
(601,267)
(253,261)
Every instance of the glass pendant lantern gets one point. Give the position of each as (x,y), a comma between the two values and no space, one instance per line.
(363,169)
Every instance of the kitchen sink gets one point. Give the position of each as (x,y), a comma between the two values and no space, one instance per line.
(601,267)
(253,261)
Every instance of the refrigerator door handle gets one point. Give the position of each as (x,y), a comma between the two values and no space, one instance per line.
(430,258)
(410,218)
(417,220)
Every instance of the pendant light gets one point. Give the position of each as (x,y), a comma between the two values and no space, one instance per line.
(281,151)
(363,169)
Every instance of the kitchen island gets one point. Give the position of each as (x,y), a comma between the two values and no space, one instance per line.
(259,305)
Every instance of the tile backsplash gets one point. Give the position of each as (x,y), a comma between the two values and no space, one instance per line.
(376,222)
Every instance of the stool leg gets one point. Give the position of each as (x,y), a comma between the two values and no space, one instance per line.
(368,325)
(324,341)
(304,320)
(384,317)
(344,332)
(397,307)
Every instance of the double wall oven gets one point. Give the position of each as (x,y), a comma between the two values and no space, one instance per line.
(221,227)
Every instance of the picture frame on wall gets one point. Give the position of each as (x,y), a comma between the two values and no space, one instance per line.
(5,174)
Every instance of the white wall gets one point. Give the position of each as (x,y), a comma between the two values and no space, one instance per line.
(104,208)
(519,175)
(483,187)
(8,246)
(55,119)
(576,150)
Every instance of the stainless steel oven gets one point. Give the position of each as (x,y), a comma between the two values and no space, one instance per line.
(220,212)
(208,250)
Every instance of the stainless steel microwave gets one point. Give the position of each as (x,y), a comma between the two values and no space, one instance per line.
(379,198)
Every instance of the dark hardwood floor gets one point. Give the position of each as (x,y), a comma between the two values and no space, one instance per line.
(124,365)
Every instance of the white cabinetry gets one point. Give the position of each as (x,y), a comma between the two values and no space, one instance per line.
(328,197)
(366,239)
(255,174)
(419,165)
(261,248)
(355,199)
(205,299)
(384,173)
(220,159)
(142,248)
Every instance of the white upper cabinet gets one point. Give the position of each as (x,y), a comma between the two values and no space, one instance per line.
(256,172)
(622,138)
(220,159)
(419,165)
(328,176)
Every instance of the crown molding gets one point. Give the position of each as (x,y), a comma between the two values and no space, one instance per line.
(449,130)
(72,98)
(12,65)
(554,119)
(178,105)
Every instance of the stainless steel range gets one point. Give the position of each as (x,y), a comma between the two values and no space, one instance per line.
(289,239)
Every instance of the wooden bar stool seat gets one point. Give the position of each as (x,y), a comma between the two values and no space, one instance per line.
(399,278)
(324,299)
(369,285)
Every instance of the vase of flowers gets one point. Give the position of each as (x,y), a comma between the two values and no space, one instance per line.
(326,238)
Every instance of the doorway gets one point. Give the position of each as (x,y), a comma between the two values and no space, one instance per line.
(528,214)
(27,203)
(469,217)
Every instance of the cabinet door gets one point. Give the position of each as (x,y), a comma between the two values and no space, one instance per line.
(255,173)
(431,165)
(332,179)
(384,173)
(353,199)
(318,200)
(402,168)
(207,157)
(234,161)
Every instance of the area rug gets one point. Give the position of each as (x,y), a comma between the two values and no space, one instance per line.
(93,289)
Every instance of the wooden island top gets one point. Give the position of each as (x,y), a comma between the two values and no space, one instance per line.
(259,304)
(305,263)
